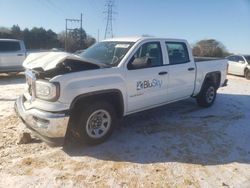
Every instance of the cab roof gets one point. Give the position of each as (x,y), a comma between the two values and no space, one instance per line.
(137,38)
(16,40)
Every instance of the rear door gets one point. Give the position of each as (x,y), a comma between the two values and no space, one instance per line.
(146,85)
(181,71)
(11,54)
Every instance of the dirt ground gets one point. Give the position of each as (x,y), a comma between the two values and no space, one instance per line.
(178,145)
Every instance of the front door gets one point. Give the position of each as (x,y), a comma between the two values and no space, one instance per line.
(146,78)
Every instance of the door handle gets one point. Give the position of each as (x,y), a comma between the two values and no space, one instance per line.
(191,69)
(162,73)
(19,54)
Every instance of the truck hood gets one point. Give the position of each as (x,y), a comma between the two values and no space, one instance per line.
(49,60)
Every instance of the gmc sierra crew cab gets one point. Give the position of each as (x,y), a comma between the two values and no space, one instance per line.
(84,95)
(12,55)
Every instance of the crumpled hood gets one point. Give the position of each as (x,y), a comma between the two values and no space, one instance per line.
(49,60)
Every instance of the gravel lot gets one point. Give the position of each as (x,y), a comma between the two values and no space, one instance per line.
(178,145)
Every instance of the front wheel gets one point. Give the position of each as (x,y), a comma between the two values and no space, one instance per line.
(247,74)
(207,95)
(96,122)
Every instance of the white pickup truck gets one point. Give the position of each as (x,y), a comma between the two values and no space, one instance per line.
(84,95)
(12,55)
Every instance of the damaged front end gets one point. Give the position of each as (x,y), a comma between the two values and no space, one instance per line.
(41,68)
(65,67)
(49,65)
(39,107)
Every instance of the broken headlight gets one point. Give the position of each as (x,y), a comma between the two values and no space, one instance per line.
(47,90)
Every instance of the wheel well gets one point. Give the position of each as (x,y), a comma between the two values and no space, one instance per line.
(113,97)
(213,77)
(245,71)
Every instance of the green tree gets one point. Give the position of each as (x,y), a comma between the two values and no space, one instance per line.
(52,39)
(5,33)
(27,38)
(16,32)
(39,38)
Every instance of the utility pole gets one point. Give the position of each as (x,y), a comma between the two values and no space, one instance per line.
(98,33)
(81,39)
(109,12)
(66,36)
(71,29)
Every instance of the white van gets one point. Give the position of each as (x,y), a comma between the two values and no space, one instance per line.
(12,55)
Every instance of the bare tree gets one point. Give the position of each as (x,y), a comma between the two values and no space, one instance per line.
(73,40)
(209,48)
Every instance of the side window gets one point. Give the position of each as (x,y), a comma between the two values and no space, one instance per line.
(148,55)
(236,58)
(9,46)
(177,52)
(241,59)
(231,58)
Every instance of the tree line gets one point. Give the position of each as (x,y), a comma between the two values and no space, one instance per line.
(40,38)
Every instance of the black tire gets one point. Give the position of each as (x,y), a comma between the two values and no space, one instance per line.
(81,129)
(207,95)
(247,74)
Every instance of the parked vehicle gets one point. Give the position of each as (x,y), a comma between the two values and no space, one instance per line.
(85,95)
(12,55)
(239,65)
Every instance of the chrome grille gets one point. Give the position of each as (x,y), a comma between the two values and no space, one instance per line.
(30,80)
(30,89)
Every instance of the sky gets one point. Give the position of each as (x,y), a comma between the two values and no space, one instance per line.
(225,20)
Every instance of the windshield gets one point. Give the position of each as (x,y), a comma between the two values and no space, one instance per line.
(109,53)
(247,57)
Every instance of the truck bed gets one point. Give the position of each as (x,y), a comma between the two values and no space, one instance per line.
(208,66)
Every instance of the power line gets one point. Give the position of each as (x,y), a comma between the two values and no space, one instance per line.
(109,12)
(49,5)
(55,6)
(67,28)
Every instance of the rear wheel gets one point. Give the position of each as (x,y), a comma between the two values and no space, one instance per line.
(207,95)
(247,74)
(95,123)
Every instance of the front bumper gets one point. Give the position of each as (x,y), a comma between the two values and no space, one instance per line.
(50,127)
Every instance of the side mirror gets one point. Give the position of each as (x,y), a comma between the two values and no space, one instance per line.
(242,62)
(139,63)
